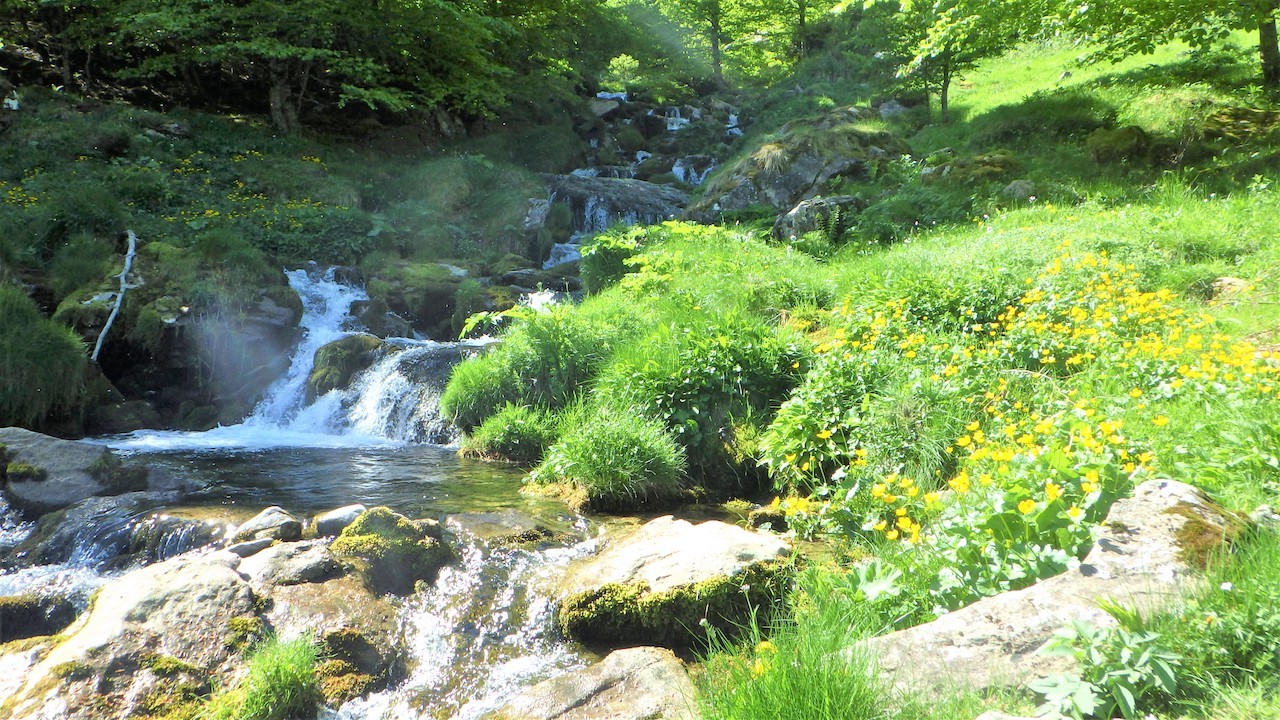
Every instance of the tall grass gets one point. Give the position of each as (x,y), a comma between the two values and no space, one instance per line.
(42,364)
(281,684)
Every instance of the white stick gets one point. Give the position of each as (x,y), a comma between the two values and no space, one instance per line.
(124,280)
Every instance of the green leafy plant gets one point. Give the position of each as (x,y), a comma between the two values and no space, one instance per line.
(1120,671)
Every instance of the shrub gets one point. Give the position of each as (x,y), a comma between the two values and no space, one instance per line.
(614,461)
(515,433)
(604,257)
(42,364)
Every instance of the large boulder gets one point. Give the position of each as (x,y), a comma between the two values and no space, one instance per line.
(336,363)
(274,522)
(804,158)
(598,202)
(832,214)
(1144,556)
(391,552)
(181,610)
(293,563)
(643,683)
(72,471)
(663,582)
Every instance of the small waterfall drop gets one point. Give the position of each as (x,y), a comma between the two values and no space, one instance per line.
(326,304)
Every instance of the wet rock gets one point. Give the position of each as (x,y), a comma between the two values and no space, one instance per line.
(507,528)
(337,362)
(181,609)
(599,202)
(658,584)
(123,417)
(358,631)
(34,614)
(71,471)
(643,683)
(274,523)
(292,563)
(374,317)
(336,520)
(391,552)
(834,214)
(112,532)
(249,548)
(804,159)
(1141,559)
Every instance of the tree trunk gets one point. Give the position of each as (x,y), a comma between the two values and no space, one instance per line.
(1269,47)
(284,115)
(944,89)
(717,63)
(802,28)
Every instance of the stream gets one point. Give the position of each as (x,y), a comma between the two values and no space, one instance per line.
(482,632)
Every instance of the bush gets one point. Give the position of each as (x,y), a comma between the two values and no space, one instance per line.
(545,360)
(604,257)
(516,433)
(42,364)
(281,684)
(614,461)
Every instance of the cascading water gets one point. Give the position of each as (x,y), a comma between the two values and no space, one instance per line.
(479,635)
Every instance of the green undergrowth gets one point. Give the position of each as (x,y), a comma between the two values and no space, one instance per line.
(44,365)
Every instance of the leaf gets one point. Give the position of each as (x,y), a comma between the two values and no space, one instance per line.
(1123,695)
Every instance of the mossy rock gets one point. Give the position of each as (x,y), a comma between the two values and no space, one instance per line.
(337,362)
(1199,540)
(1128,144)
(124,417)
(23,472)
(509,263)
(994,166)
(391,552)
(244,631)
(341,682)
(617,615)
(33,615)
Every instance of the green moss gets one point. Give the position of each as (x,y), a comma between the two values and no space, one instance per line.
(391,552)
(340,682)
(72,670)
(244,631)
(1200,541)
(621,614)
(168,666)
(336,363)
(33,615)
(23,472)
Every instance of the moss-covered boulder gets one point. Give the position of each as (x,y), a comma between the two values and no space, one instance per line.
(669,581)
(1128,144)
(799,162)
(33,614)
(425,294)
(69,471)
(391,552)
(337,362)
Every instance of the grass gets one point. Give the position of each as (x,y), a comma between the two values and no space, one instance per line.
(42,365)
(281,684)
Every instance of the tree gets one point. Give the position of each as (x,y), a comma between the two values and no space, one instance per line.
(938,40)
(716,22)
(1139,26)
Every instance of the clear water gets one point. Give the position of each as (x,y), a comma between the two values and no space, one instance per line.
(475,638)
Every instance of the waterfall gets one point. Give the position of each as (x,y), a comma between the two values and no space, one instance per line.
(326,304)
(395,401)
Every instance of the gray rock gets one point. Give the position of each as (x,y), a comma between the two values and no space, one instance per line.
(818,213)
(643,683)
(334,521)
(1265,516)
(1022,190)
(180,608)
(274,523)
(291,564)
(249,548)
(659,566)
(598,202)
(994,642)
(892,109)
(69,471)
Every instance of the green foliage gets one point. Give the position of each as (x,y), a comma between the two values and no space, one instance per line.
(604,256)
(544,360)
(281,684)
(1120,671)
(614,461)
(42,364)
(515,433)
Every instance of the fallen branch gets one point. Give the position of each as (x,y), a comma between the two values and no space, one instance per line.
(115,311)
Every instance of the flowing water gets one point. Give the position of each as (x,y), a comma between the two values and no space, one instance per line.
(481,633)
